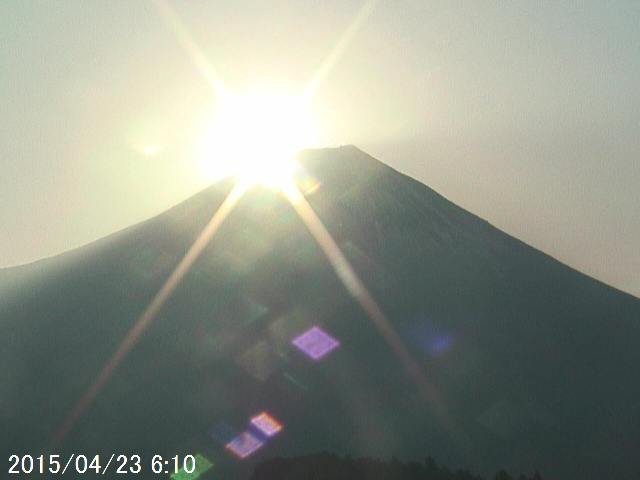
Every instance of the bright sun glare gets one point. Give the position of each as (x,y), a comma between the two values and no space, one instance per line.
(255,137)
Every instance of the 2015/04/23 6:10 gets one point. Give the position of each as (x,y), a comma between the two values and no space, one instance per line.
(125,464)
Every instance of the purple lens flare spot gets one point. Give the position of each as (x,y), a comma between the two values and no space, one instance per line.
(440,344)
(315,343)
(244,445)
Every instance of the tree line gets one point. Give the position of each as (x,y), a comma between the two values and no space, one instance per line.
(327,466)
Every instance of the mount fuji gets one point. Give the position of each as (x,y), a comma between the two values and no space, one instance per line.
(529,364)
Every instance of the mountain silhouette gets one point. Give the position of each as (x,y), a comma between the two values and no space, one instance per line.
(527,364)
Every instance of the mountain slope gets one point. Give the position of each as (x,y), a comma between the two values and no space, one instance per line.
(535,363)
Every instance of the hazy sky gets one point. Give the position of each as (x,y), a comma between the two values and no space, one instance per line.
(525,113)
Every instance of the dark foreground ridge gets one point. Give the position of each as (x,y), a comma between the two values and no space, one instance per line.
(261,351)
(327,466)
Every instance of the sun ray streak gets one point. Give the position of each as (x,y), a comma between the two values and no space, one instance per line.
(151,311)
(361,294)
(191,47)
(338,50)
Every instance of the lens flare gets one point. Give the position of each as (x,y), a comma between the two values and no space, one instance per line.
(255,137)
(244,445)
(315,343)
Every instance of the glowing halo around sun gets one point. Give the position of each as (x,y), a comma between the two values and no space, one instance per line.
(255,137)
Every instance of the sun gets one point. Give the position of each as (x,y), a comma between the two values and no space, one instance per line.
(255,137)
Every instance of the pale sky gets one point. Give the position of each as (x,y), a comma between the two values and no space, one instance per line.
(524,113)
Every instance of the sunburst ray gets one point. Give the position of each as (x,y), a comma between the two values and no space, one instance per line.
(338,50)
(151,311)
(191,47)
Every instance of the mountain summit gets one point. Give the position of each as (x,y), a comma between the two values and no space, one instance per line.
(261,351)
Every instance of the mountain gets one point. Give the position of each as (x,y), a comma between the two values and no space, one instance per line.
(506,359)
